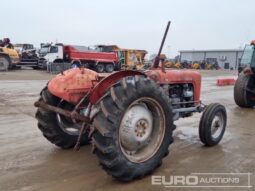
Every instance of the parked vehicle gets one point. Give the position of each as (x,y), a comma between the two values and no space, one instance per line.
(244,90)
(78,56)
(128,116)
(28,55)
(128,58)
(9,57)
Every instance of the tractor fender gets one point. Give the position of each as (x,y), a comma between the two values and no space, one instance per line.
(73,84)
(99,90)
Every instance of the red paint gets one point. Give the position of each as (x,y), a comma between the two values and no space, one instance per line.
(109,81)
(74,54)
(226,82)
(177,77)
(75,83)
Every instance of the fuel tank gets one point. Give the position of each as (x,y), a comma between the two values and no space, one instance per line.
(171,76)
(72,84)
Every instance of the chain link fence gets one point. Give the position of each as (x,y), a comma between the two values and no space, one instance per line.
(56,68)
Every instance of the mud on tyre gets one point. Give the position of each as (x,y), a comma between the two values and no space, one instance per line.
(133,129)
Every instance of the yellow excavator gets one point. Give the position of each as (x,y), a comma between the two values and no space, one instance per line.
(9,57)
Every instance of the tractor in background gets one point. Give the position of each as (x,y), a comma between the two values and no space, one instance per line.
(28,55)
(9,57)
(128,116)
(244,90)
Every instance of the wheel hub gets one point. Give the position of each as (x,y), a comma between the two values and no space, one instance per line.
(141,128)
(217,126)
(136,127)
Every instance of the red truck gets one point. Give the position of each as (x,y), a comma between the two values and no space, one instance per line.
(78,56)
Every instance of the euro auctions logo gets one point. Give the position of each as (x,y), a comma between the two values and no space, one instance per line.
(204,180)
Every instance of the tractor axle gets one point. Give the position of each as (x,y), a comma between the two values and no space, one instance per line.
(66,113)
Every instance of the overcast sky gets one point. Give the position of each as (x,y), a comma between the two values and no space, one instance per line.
(140,24)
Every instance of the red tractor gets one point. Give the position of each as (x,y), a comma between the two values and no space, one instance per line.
(128,116)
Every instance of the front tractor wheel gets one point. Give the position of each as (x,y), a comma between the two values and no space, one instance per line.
(243,91)
(57,129)
(213,124)
(133,129)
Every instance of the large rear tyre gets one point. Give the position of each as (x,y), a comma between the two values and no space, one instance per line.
(4,63)
(133,128)
(243,97)
(57,129)
(213,124)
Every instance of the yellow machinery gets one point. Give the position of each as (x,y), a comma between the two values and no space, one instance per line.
(128,58)
(195,66)
(209,66)
(8,58)
(178,65)
(169,64)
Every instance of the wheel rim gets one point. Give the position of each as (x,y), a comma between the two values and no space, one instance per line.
(65,123)
(142,130)
(217,125)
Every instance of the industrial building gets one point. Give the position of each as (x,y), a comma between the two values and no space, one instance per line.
(227,59)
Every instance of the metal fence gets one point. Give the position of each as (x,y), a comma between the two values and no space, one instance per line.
(55,68)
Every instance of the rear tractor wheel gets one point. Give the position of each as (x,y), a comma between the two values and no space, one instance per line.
(244,91)
(133,129)
(57,129)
